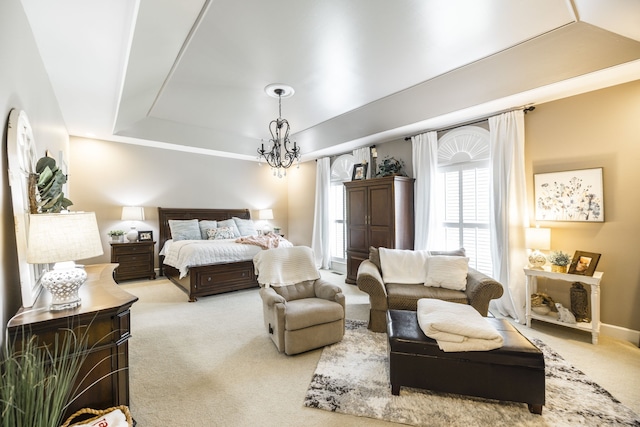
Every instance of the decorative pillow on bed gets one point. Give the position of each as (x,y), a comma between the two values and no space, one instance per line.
(205,225)
(232,225)
(184,229)
(220,233)
(246,227)
(448,272)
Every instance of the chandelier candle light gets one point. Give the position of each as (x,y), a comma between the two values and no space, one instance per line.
(132,213)
(63,238)
(279,154)
(537,239)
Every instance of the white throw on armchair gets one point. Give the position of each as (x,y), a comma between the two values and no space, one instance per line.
(301,311)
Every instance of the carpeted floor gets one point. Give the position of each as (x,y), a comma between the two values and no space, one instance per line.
(352,377)
(211,363)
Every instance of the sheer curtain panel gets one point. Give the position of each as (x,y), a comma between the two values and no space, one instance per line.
(508,210)
(321,232)
(425,163)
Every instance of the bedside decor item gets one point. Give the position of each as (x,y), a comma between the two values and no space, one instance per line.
(559,261)
(390,166)
(359,171)
(584,263)
(537,239)
(564,315)
(62,238)
(116,235)
(570,196)
(279,154)
(265,215)
(580,302)
(132,213)
(145,236)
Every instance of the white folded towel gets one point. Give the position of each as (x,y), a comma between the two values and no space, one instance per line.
(456,327)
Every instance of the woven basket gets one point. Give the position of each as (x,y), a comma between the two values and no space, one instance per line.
(98,414)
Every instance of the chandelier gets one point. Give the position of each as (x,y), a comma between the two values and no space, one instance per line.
(279,154)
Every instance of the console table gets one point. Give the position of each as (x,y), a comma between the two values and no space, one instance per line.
(593,281)
(104,314)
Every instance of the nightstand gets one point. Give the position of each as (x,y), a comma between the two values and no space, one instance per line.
(135,259)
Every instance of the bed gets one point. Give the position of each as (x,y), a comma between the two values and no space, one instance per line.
(207,279)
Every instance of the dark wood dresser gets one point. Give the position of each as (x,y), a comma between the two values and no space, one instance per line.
(379,213)
(104,314)
(135,260)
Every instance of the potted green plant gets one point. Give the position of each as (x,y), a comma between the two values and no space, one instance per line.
(38,381)
(48,181)
(390,166)
(559,261)
(116,235)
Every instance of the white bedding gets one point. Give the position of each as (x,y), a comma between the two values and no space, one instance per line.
(190,253)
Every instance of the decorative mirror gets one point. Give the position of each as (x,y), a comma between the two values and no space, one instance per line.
(21,153)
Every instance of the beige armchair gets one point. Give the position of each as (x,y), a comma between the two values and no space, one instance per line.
(303,315)
(480,290)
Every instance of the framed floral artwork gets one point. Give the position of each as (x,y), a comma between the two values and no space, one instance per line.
(569,196)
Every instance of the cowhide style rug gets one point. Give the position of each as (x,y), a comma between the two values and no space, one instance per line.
(352,377)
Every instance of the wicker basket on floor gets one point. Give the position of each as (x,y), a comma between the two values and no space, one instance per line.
(98,414)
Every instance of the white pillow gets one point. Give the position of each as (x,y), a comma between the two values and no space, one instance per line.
(220,233)
(232,225)
(246,227)
(403,265)
(448,272)
(206,225)
(184,229)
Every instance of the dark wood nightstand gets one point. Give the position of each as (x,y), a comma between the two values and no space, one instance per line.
(135,259)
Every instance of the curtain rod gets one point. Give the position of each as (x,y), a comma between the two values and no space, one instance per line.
(473,121)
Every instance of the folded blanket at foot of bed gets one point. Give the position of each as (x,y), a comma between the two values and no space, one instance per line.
(456,327)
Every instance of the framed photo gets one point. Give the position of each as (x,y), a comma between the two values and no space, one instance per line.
(359,171)
(569,196)
(584,263)
(145,236)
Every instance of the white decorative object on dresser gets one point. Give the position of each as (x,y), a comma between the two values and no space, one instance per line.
(592,281)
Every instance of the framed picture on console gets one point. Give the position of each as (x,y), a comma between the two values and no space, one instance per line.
(359,172)
(145,236)
(584,263)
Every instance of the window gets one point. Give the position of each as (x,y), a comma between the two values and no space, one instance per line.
(463,187)
(340,172)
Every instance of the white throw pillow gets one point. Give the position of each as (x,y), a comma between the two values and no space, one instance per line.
(403,265)
(448,272)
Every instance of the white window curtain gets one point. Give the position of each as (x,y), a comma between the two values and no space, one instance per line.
(363,155)
(321,228)
(425,163)
(508,211)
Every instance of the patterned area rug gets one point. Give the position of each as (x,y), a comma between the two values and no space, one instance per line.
(352,378)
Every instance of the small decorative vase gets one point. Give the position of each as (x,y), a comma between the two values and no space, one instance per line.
(558,268)
(579,302)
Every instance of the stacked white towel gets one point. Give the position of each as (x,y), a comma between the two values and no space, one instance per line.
(456,327)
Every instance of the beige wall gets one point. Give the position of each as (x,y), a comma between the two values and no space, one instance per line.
(597,129)
(104,176)
(24,85)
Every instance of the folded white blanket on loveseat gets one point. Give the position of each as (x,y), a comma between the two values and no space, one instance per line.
(456,327)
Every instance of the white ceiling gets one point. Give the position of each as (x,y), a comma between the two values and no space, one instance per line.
(191,74)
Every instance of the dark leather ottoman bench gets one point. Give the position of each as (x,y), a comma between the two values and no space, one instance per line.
(514,372)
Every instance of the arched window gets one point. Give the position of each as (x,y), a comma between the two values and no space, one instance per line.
(340,172)
(463,194)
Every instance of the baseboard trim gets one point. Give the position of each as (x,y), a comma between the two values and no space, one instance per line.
(620,333)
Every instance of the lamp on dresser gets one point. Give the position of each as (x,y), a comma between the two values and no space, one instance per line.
(63,238)
(132,213)
(537,239)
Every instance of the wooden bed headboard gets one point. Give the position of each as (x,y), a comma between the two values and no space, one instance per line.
(165,214)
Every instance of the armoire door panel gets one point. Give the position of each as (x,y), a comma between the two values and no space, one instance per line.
(357,238)
(381,236)
(381,205)
(357,207)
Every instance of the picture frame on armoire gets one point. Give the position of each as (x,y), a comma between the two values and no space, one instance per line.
(359,172)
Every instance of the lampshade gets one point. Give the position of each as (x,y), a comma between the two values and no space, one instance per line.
(132,213)
(538,238)
(265,214)
(63,237)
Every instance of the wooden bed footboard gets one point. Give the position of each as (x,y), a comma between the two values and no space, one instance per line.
(208,279)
